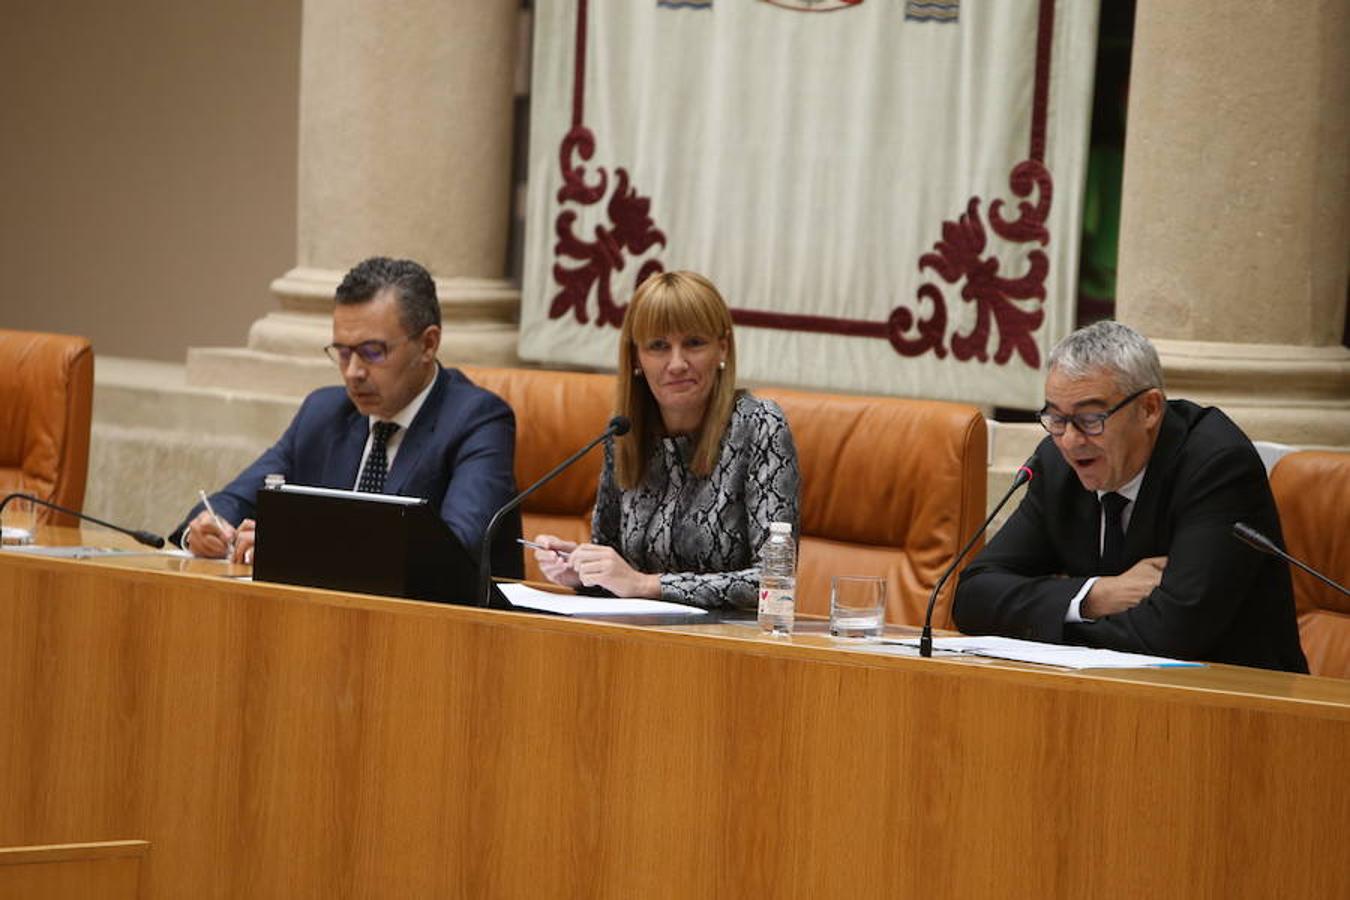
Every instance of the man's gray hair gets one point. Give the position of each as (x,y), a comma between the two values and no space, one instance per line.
(1117,348)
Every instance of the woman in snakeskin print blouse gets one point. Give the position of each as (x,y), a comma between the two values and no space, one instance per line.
(687,496)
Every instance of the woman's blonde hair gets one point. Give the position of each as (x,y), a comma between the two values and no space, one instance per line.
(671,303)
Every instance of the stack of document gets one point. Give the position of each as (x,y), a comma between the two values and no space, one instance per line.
(1062,655)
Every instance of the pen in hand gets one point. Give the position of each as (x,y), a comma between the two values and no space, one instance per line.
(562,554)
(220,523)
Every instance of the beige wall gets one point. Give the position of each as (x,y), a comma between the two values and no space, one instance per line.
(147,168)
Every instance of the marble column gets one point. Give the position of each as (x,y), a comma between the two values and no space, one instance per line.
(405,150)
(1235,218)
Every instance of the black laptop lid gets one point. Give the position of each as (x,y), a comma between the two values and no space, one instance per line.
(367,543)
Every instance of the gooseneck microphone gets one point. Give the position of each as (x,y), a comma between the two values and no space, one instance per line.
(1025,473)
(618,426)
(145,537)
(1253,538)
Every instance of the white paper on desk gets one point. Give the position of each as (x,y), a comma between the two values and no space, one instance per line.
(573,605)
(71,552)
(1062,655)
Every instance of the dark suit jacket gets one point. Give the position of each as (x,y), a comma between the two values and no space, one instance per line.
(1219,600)
(458,453)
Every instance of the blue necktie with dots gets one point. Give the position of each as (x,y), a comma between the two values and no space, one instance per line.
(377,463)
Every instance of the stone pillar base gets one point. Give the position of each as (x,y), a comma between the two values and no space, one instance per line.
(285,349)
(1290,394)
(242,369)
(304,289)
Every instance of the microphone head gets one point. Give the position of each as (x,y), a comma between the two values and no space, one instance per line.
(619,425)
(149,539)
(1025,472)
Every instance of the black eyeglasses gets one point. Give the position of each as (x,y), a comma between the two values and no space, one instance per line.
(372,353)
(1091,424)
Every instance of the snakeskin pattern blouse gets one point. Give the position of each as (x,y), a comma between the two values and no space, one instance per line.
(703,534)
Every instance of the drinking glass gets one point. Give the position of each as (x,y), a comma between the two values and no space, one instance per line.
(18,523)
(857,606)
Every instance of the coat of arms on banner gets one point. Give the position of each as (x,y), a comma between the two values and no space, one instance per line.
(814,5)
(875,198)
(803,5)
(920,11)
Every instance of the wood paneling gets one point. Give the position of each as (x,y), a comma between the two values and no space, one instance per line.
(280,742)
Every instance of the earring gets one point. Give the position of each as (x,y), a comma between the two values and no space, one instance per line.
(722,364)
(637,371)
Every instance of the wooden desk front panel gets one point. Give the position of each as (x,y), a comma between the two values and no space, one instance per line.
(276,742)
(101,871)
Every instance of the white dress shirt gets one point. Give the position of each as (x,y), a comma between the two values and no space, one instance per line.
(403,418)
(1130,491)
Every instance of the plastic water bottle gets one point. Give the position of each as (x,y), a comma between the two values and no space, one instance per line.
(778,580)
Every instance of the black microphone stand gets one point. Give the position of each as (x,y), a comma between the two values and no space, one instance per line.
(1024,474)
(1253,538)
(145,537)
(617,426)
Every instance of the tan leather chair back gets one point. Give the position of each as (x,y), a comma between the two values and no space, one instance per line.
(890,487)
(1312,491)
(556,414)
(45,409)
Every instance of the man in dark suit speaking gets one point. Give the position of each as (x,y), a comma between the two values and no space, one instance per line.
(1124,540)
(401,424)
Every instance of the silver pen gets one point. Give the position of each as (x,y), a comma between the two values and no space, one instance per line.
(562,554)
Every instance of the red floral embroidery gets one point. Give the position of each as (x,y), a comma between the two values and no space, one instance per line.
(960,256)
(630,233)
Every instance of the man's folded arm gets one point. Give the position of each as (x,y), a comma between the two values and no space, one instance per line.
(1012,605)
(1208,572)
(1012,588)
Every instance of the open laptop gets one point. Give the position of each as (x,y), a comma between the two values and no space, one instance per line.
(362,542)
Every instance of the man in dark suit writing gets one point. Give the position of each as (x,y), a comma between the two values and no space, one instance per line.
(1124,540)
(401,424)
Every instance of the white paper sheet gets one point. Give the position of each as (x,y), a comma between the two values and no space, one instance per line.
(74,552)
(1063,656)
(573,605)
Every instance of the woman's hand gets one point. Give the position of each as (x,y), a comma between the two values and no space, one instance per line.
(599,566)
(553,561)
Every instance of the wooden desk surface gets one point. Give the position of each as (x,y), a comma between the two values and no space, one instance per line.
(272,741)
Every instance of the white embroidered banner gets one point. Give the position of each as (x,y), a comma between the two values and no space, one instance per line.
(887,192)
